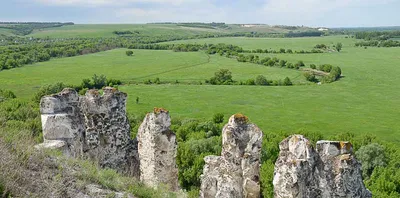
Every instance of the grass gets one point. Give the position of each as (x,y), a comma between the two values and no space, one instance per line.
(105,30)
(145,64)
(102,30)
(364,101)
(276,43)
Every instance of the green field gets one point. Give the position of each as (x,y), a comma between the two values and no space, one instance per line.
(275,43)
(106,30)
(365,100)
(100,30)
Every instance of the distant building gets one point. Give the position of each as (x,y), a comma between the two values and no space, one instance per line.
(323,29)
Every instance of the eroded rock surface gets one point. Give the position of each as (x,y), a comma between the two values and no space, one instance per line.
(62,119)
(329,171)
(93,126)
(236,172)
(157,149)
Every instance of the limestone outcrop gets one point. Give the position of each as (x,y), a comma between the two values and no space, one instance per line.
(93,126)
(62,120)
(236,172)
(329,171)
(157,149)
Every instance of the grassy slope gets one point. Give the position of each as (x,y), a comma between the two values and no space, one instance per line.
(6,32)
(105,30)
(364,101)
(102,30)
(275,43)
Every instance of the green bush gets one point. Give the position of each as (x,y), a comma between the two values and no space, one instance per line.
(218,118)
(371,156)
(287,82)
(129,53)
(48,90)
(222,77)
(313,66)
(261,80)
(310,77)
(250,82)
(6,94)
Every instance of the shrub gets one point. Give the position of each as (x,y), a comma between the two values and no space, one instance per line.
(371,156)
(48,90)
(299,64)
(313,66)
(287,82)
(325,67)
(261,80)
(289,51)
(282,63)
(157,81)
(6,94)
(218,118)
(222,77)
(310,77)
(129,53)
(250,82)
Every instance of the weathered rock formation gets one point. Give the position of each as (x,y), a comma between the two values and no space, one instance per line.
(236,172)
(329,171)
(157,149)
(93,126)
(62,120)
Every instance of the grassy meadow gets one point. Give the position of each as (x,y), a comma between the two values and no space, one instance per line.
(101,30)
(365,100)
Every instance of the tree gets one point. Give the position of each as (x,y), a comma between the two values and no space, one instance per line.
(371,156)
(261,80)
(287,82)
(339,47)
(129,53)
(310,77)
(222,77)
(218,118)
(99,81)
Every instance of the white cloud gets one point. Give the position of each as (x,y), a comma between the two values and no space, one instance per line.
(306,11)
(109,2)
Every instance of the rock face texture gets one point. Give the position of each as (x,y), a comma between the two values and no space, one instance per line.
(62,119)
(93,126)
(157,149)
(236,172)
(329,171)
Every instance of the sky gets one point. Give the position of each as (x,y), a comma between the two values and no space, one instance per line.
(314,13)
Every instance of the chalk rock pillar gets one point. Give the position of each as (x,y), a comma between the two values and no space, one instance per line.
(295,168)
(107,135)
(157,149)
(330,171)
(62,121)
(339,171)
(236,172)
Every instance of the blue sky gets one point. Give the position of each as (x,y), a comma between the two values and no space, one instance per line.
(329,13)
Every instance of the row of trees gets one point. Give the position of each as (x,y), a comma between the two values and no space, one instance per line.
(334,73)
(377,43)
(224,77)
(268,61)
(377,35)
